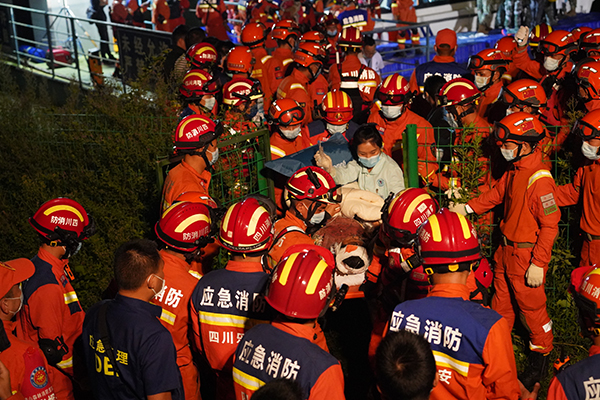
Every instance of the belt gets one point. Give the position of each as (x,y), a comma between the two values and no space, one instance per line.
(591,237)
(522,245)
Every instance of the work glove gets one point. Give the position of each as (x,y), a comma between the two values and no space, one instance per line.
(462,209)
(361,203)
(454,189)
(522,36)
(534,276)
(324,161)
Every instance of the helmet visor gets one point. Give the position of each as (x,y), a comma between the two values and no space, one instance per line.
(292,116)
(548,48)
(585,130)
(386,98)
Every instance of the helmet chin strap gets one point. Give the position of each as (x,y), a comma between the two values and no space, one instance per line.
(520,156)
(203,155)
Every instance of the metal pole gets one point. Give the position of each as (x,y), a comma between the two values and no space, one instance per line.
(411,157)
(49,36)
(14,29)
(427,43)
(75,50)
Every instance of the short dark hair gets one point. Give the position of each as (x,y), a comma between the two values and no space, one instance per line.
(444,49)
(433,84)
(366,133)
(178,33)
(279,389)
(194,36)
(134,261)
(368,41)
(404,366)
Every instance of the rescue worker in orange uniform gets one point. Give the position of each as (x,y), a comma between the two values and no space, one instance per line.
(588,81)
(320,86)
(52,316)
(330,25)
(310,198)
(300,289)
(213,15)
(24,360)
(308,65)
(590,43)
(529,228)
(196,139)
(357,80)
(286,34)
(508,45)
(488,66)
(241,98)
(183,230)
(336,110)
(391,115)
(404,10)
(198,91)
(167,15)
(583,188)
(228,302)
(471,344)
(267,69)
(239,62)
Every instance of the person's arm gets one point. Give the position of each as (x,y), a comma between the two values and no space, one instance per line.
(330,385)
(531,67)
(545,211)
(490,199)
(500,373)
(556,391)
(346,173)
(567,195)
(160,396)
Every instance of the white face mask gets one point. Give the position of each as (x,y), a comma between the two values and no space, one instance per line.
(450,119)
(551,64)
(508,155)
(214,157)
(209,103)
(590,152)
(161,292)
(333,129)
(392,112)
(509,111)
(481,81)
(332,33)
(291,134)
(22,298)
(317,218)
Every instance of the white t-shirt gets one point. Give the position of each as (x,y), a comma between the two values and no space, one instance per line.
(376,62)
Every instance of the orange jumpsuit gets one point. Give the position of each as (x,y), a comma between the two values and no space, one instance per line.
(489,97)
(269,71)
(529,227)
(318,89)
(284,55)
(27,366)
(180,282)
(296,87)
(210,14)
(404,10)
(161,15)
(183,179)
(51,310)
(291,238)
(584,188)
(392,132)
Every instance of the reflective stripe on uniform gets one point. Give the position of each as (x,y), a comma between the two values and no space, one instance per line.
(70,297)
(348,85)
(287,61)
(218,319)
(246,381)
(444,360)
(168,317)
(195,274)
(68,363)
(277,151)
(538,175)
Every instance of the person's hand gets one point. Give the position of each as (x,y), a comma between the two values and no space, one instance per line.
(458,208)
(453,191)
(526,394)
(5,391)
(324,161)
(522,36)
(534,275)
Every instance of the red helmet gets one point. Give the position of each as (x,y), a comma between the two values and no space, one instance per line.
(198,197)
(579,31)
(538,33)
(520,127)
(590,41)
(525,92)
(404,213)
(246,227)
(63,221)
(195,131)
(588,77)
(448,243)
(253,34)
(314,37)
(238,91)
(198,83)
(587,300)
(185,226)
(588,127)
(459,91)
(558,42)
(284,29)
(394,90)
(490,59)
(506,45)
(312,183)
(240,59)
(328,19)
(337,107)
(285,112)
(200,54)
(309,53)
(302,282)
(351,37)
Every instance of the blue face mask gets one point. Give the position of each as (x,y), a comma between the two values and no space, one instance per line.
(251,113)
(369,162)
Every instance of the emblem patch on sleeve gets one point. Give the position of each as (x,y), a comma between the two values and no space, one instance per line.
(549,204)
